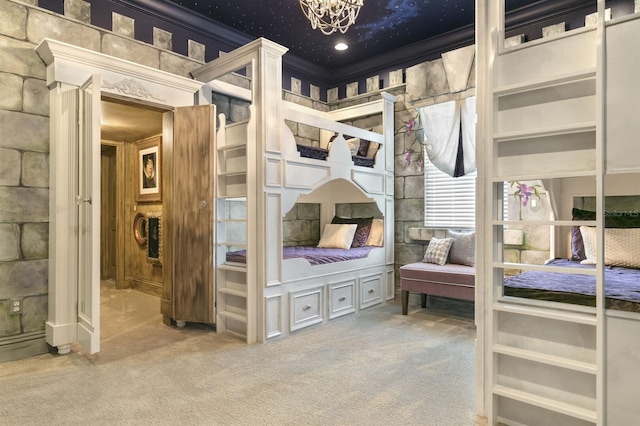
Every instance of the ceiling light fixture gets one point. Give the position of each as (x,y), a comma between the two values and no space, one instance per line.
(331,15)
(341,46)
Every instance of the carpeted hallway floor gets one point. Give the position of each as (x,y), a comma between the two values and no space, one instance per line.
(377,367)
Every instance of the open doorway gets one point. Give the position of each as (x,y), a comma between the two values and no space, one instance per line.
(125,271)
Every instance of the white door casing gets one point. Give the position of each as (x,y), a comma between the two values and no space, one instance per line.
(73,304)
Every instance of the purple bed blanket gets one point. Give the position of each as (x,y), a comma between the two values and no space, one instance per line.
(314,255)
(620,283)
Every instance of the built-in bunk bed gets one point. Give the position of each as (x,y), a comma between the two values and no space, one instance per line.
(264,289)
(560,111)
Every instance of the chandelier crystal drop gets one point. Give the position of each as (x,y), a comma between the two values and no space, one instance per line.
(331,15)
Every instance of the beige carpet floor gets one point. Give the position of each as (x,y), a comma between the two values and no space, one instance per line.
(377,367)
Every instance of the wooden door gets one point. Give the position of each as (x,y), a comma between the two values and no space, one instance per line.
(192,213)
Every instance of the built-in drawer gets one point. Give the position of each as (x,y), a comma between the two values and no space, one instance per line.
(342,298)
(371,290)
(306,308)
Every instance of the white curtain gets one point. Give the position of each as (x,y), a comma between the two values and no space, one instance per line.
(443,124)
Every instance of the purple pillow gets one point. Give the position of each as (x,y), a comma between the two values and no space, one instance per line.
(362,231)
(577,245)
(363,149)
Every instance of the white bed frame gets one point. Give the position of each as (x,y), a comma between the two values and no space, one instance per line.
(562,109)
(258,164)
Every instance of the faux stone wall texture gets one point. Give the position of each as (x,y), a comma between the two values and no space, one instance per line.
(196,51)
(24,168)
(234,109)
(123,25)
(20,58)
(11,89)
(9,173)
(162,39)
(177,64)
(535,243)
(78,9)
(301,225)
(13,17)
(131,50)
(41,24)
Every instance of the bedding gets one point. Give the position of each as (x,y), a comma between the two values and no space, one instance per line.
(376,236)
(621,246)
(363,229)
(337,236)
(314,255)
(322,154)
(612,219)
(622,286)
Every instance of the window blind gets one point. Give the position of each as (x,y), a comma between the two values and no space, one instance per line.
(449,202)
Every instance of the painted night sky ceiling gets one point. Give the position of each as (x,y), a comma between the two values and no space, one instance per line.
(381,26)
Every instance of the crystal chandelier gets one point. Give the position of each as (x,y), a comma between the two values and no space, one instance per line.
(331,15)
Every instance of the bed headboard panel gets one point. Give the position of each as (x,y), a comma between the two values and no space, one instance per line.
(621,189)
(628,204)
(612,203)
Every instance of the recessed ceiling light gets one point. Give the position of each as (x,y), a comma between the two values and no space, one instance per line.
(341,46)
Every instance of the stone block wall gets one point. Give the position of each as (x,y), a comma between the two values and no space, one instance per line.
(24,185)
(234,109)
(301,225)
(358,210)
(534,243)
(303,133)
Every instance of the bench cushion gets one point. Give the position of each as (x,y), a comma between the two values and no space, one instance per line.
(448,280)
(447,273)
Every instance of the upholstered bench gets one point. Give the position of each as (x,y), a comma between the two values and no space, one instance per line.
(448,280)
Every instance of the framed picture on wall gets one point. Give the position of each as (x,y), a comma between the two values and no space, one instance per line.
(149,170)
(154,237)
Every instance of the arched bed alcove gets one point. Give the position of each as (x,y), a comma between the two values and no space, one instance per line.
(338,202)
(338,192)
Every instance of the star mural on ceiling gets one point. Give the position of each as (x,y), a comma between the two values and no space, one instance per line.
(381,26)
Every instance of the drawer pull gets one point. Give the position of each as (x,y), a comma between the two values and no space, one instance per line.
(371,290)
(306,307)
(342,299)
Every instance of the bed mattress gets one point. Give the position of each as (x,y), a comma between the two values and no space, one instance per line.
(622,286)
(314,255)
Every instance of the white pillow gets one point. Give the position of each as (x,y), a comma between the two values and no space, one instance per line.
(463,248)
(373,149)
(354,145)
(337,235)
(621,246)
(438,251)
(376,235)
